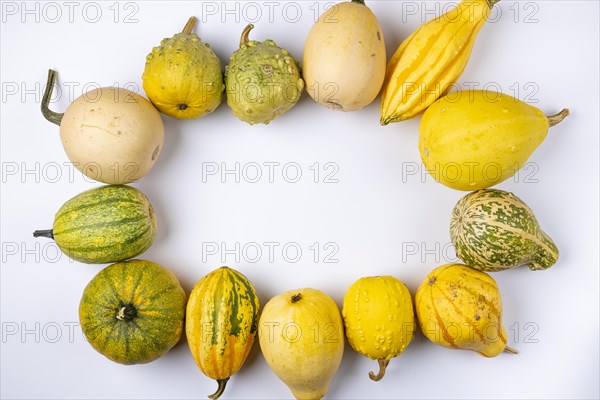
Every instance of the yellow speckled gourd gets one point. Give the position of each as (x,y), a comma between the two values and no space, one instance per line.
(221,324)
(379,319)
(183,77)
(431,59)
(460,308)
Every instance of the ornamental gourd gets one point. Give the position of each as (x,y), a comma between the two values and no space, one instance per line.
(429,62)
(343,64)
(110,134)
(183,77)
(132,312)
(493,230)
(379,319)
(102,225)
(471,140)
(460,308)
(302,339)
(221,324)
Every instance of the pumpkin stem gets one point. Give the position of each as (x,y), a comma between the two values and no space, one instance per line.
(557,118)
(492,2)
(383,363)
(48,233)
(50,115)
(245,33)
(220,389)
(296,297)
(359,2)
(510,350)
(187,29)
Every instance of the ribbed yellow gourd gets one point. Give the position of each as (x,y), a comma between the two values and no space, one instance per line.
(431,59)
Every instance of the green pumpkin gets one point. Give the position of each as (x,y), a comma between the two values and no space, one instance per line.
(132,312)
(103,225)
(494,230)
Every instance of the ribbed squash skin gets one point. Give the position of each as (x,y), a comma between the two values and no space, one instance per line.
(378,317)
(494,230)
(430,60)
(460,308)
(106,224)
(132,312)
(222,322)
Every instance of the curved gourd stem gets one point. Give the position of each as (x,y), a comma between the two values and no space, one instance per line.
(510,350)
(359,2)
(245,33)
(383,363)
(220,389)
(48,233)
(492,2)
(557,118)
(187,29)
(50,115)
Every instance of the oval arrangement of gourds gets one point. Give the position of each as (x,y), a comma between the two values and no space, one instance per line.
(134,311)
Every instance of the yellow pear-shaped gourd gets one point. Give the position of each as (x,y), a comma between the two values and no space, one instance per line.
(429,62)
(471,140)
(379,319)
(183,77)
(460,308)
(301,336)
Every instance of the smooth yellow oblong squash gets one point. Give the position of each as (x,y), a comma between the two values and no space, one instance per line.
(221,324)
(431,59)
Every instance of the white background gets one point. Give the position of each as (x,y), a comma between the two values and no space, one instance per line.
(383,218)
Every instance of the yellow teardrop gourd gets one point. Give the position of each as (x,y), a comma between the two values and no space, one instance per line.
(472,140)
(460,308)
(379,319)
(302,339)
(431,59)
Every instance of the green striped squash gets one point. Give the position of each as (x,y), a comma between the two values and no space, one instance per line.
(221,324)
(103,225)
(493,230)
(132,311)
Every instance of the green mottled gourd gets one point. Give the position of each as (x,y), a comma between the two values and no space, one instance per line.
(103,225)
(132,311)
(262,80)
(493,230)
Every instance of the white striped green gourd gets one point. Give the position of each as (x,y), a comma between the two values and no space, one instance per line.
(104,225)
(221,324)
(493,230)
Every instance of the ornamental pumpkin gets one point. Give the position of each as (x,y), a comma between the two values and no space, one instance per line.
(132,312)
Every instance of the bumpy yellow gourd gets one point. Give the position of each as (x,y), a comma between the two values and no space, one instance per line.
(302,339)
(183,76)
(379,319)
(221,324)
(460,308)
(430,60)
(471,140)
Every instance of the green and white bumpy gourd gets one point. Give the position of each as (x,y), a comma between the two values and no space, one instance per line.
(493,230)
(262,80)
